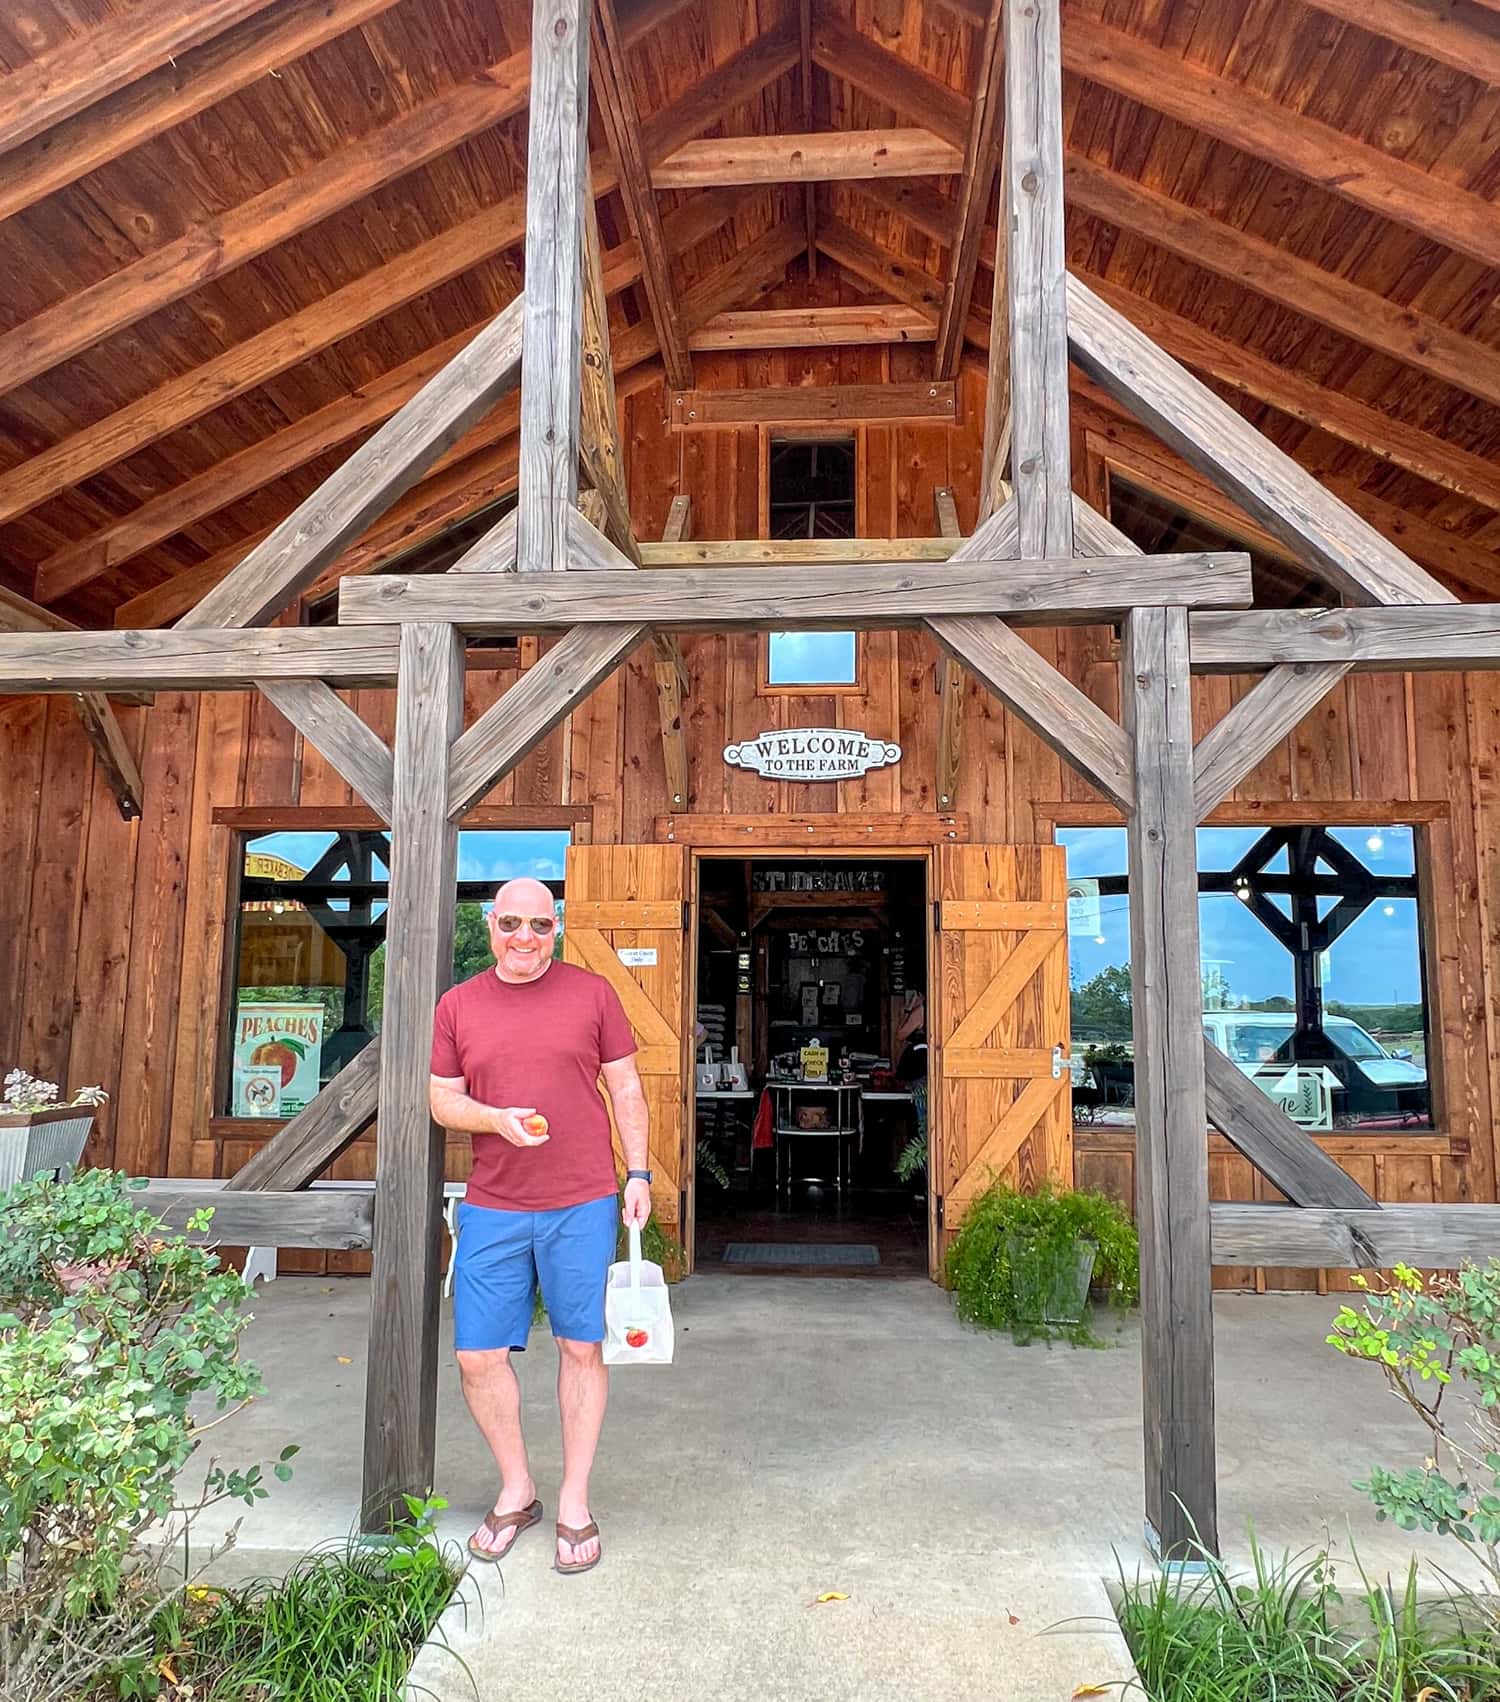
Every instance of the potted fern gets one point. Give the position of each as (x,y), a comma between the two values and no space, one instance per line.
(40,1131)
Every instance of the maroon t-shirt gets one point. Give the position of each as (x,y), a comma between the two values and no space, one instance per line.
(538,1043)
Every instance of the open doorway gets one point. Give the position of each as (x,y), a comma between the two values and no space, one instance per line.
(809,1086)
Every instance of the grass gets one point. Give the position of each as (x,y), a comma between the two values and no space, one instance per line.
(343,1626)
(1287,1633)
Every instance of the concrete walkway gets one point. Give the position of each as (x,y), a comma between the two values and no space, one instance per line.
(966,1495)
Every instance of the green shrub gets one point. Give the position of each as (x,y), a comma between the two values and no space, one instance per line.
(112,1330)
(1423,1334)
(1047,1222)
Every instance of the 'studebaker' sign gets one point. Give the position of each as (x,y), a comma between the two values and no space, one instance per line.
(812,753)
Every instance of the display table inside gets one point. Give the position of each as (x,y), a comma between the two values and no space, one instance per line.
(804,1112)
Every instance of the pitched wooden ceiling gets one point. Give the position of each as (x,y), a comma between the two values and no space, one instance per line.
(238,233)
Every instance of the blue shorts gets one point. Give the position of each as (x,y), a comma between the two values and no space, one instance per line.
(503,1254)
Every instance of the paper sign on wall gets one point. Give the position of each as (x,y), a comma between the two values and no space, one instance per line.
(637,957)
(812,753)
(278,1052)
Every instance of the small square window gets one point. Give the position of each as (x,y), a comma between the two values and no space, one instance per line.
(811,659)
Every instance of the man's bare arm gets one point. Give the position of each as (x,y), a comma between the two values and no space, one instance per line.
(452,1108)
(622,1081)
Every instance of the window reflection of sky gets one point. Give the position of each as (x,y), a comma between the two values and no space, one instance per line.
(483,854)
(1375,961)
(811,658)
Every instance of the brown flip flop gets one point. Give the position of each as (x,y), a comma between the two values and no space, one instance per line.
(495,1523)
(573,1536)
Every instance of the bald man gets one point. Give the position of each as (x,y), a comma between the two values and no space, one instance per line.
(534,1036)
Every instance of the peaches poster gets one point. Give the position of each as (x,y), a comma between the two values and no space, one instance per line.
(278,1050)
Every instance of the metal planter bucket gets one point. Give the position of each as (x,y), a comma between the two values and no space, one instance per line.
(36,1141)
(1050,1284)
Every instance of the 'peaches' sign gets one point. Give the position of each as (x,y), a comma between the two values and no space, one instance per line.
(812,753)
(278,1054)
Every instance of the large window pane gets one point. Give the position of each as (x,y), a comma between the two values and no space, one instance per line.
(811,659)
(309,982)
(1310,943)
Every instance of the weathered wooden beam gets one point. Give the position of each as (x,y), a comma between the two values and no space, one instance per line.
(331,1121)
(495,552)
(556,183)
(610,75)
(328,1218)
(1080,589)
(1255,725)
(995,489)
(277,214)
(679,524)
(1286,1155)
(518,721)
(822,157)
(354,750)
(1042,698)
(1171,1152)
(814,327)
(795,404)
(1327,157)
(230,659)
(112,749)
(405,1276)
(188,84)
(981,158)
(950,676)
(315,533)
(1398,330)
(730,552)
(20,614)
(670,677)
(93,65)
(1227,449)
(1313,1237)
(1456,636)
(1036,278)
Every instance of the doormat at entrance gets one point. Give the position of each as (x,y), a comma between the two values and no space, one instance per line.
(800,1253)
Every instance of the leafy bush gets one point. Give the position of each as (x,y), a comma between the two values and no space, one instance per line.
(1286,1633)
(1047,1222)
(111,1328)
(1422,1333)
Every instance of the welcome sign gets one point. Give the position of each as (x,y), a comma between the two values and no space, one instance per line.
(812,753)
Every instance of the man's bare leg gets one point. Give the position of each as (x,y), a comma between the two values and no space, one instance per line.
(582,1392)
(494,1398)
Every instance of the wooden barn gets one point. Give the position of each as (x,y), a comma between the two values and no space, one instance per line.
(1001,460)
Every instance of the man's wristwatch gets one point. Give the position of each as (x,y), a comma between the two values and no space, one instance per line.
(637,1175)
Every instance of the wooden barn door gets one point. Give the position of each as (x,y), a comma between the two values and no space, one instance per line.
(624,919)
(999,1067)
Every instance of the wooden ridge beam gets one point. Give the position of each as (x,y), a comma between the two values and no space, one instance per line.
(217,246)
(331,1121)
(981,158)
(800,403)
(518,721)
(1212,437)
(1451,637)
(236,659)
(186,85)
(92,66)
(814,327)
(1036,280)
(1283,388)
(1330,159)
(610,76)
(353,749)
(1049,591)
(1447,34)
(365,486)
(821,157)
(1310,1237)
(339,1219)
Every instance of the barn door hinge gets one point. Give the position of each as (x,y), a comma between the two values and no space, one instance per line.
(1058,1064)
(687,915)
(939,1204)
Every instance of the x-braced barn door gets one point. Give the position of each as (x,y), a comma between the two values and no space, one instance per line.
(623,918)
(999,1068)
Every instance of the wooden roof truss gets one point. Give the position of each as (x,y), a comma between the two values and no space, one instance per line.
(566,562)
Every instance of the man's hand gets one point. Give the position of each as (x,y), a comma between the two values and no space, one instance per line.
(637,1203)
(509,1122)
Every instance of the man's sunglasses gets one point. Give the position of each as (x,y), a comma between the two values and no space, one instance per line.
(512,924)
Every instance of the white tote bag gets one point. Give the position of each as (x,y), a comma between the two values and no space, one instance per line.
(637,1313)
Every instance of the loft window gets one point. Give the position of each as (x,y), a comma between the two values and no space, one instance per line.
(811,495)
(308,972)
(1311,959)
